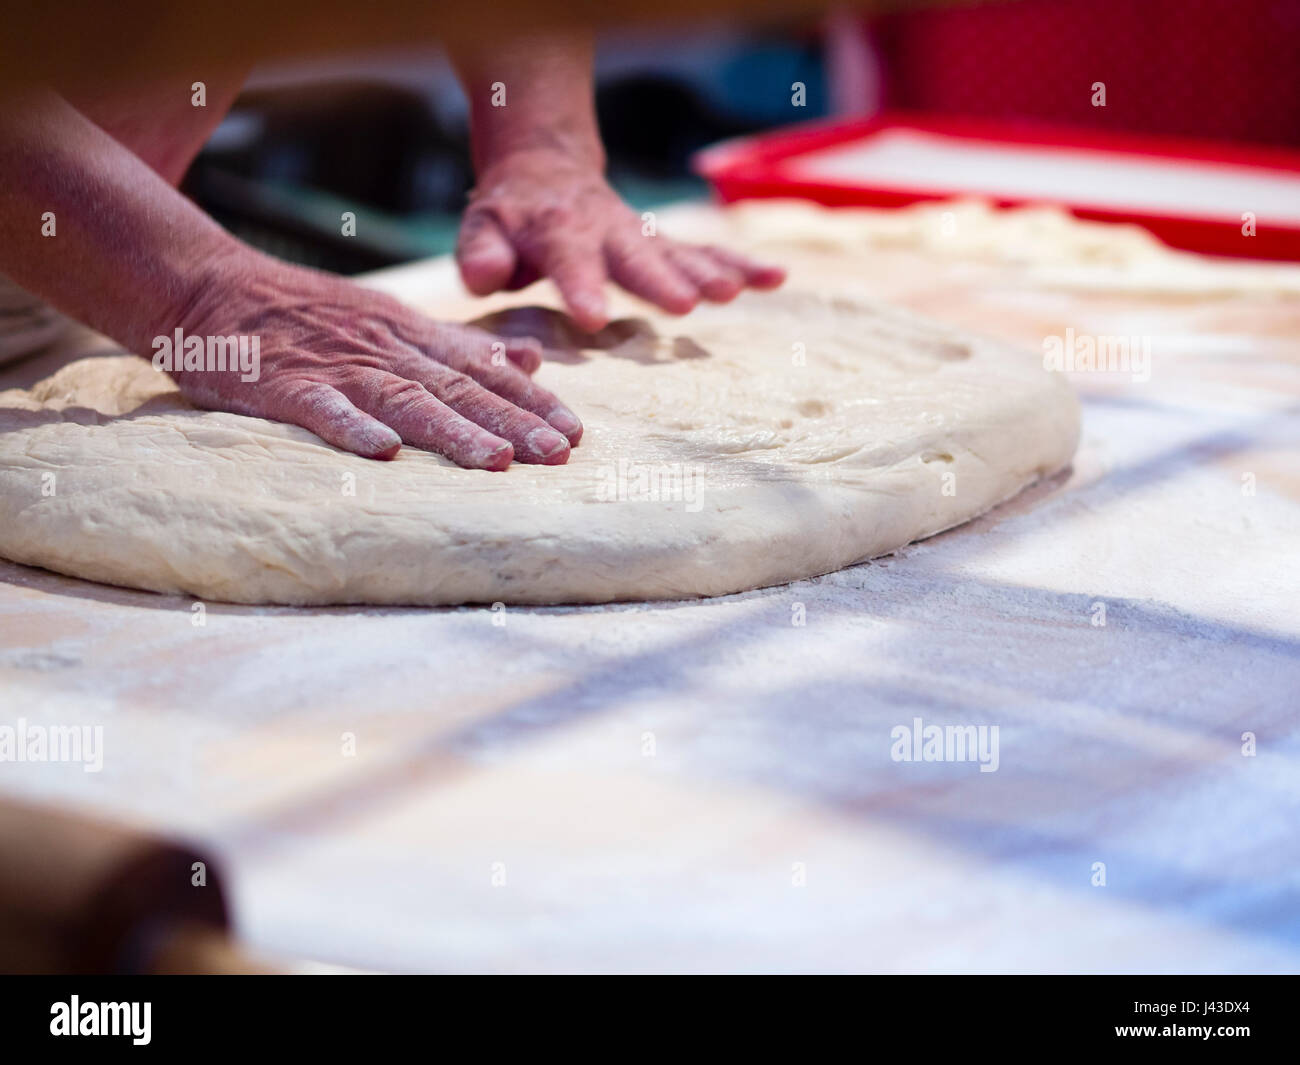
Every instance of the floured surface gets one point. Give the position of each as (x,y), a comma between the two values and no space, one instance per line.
(631,787)
(782,436)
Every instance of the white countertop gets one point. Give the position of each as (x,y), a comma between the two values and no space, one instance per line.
(705,786)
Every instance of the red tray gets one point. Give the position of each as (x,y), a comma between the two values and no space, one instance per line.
(1190,194)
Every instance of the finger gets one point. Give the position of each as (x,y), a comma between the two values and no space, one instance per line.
(525,274)
(517,388)
(437,340)
(716,280)
(524,352)
(638,264)
(484,253)
(472,351)
(424,421)
(756,274)
(577,269)
(534,440)
(329,414)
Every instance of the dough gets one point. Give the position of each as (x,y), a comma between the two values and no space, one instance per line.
(785,435)
(1046,247)
(782,436)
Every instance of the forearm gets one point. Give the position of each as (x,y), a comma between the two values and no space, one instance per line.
(127,252)
(549,102)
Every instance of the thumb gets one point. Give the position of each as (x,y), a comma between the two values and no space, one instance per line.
(485,255)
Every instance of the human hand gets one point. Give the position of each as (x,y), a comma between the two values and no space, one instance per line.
(367,373)
(544,211)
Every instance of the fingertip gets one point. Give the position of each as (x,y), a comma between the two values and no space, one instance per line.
(722,290)
(757,274)
(332,416)
(380,441)
(529,362)
(498,458)
(525,352)
(566,422)
(765,277)
(484,273)
(485,257)
(589,312)
(680,302)
(546,447)
(386,454)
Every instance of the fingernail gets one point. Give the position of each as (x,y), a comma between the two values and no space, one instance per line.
(386,436)
(382,442)
(546,442)
(499,457)
(592,308)
(565,420)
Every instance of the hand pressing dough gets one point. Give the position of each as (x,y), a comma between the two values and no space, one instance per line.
(782,436)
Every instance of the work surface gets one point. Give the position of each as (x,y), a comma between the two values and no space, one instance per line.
(709,785)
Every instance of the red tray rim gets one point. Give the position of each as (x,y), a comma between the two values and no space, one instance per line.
(752,167)
(768,149)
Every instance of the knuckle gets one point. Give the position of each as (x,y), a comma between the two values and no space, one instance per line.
(634,252)
(399,396)
(477,218)
(556,216)
(482,368)
(457,388)
(290,394)
(306,392)
(548,227)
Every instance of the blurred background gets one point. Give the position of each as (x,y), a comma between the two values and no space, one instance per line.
(385,134)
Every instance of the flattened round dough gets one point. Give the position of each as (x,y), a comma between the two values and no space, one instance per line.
(782,436)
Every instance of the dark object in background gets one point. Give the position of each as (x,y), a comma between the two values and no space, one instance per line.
(288,162)
(368,143)
(651,126)
(305,156)
(87,896)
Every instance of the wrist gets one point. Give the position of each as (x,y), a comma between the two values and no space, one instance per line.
(571,141)
(191,296)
